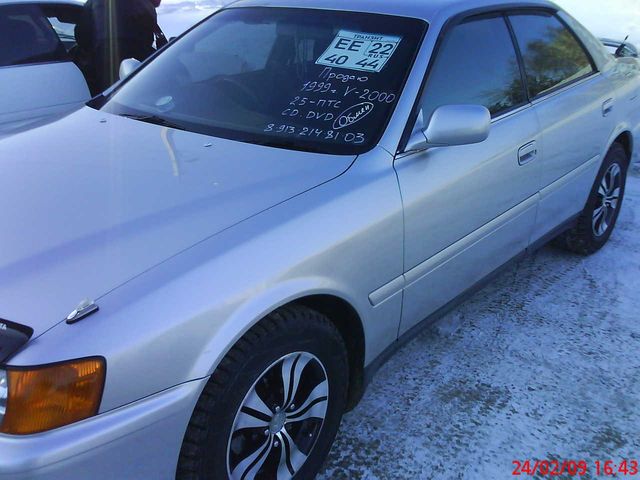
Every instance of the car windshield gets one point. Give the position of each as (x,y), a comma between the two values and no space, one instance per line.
(321,81)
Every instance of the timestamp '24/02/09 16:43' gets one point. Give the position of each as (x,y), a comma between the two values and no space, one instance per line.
(580,468)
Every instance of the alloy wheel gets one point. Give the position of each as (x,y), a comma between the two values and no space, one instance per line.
(279,420)
(607,200)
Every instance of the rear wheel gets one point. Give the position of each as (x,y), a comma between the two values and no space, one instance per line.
(598,219)
(272,408)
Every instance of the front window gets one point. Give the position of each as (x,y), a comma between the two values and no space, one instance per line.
(315,80)
(477,64)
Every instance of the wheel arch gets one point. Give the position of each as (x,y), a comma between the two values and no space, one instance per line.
(626,140)
(346,319)
(334,303)
(622,135)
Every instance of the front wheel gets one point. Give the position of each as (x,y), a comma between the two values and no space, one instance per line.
(272,408)
(598,219)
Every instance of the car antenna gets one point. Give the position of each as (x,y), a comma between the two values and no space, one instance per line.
(620,49)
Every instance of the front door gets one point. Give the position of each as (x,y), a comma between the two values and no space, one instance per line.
(469,209)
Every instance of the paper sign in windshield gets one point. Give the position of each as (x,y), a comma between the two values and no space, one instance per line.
(367,52)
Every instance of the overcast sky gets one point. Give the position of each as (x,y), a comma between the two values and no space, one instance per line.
(606,18)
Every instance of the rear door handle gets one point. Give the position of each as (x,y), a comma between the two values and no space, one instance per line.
(607,107)
(527,153)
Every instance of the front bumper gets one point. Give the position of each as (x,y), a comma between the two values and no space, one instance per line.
(141,440)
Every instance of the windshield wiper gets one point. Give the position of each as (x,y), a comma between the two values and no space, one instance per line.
(154,119)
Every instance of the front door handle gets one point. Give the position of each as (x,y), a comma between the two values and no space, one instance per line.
(527,153)
(607,107)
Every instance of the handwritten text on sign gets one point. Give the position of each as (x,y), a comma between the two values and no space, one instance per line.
(359,51)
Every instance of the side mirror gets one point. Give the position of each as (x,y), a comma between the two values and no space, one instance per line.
(127,67)
(452,125)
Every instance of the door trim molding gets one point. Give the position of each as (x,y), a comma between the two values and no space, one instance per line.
(387,291)
(423,269)
(566,178)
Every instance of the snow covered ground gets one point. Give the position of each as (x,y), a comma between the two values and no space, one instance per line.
(542,364)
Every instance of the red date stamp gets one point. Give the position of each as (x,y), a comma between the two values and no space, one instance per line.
(575,468)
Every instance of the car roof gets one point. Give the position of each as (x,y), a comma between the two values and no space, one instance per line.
(423,9)
(59,2)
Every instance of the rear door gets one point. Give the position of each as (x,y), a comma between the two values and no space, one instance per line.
(469,209)
(35,67)
(574,105)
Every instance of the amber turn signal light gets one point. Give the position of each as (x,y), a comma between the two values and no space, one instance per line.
(51,396)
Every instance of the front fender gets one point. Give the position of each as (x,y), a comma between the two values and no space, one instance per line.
(258,307)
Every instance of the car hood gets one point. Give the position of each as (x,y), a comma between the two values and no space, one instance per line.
(92,200)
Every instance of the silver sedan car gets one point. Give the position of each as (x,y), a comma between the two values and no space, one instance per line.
(201,270)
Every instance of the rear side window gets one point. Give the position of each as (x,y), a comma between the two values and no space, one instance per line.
(552,55)
(477,64)
(26,36)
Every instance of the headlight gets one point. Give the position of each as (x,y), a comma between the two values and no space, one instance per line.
(42,398)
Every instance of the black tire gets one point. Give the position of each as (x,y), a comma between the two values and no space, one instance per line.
(583,238)
(210,452)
